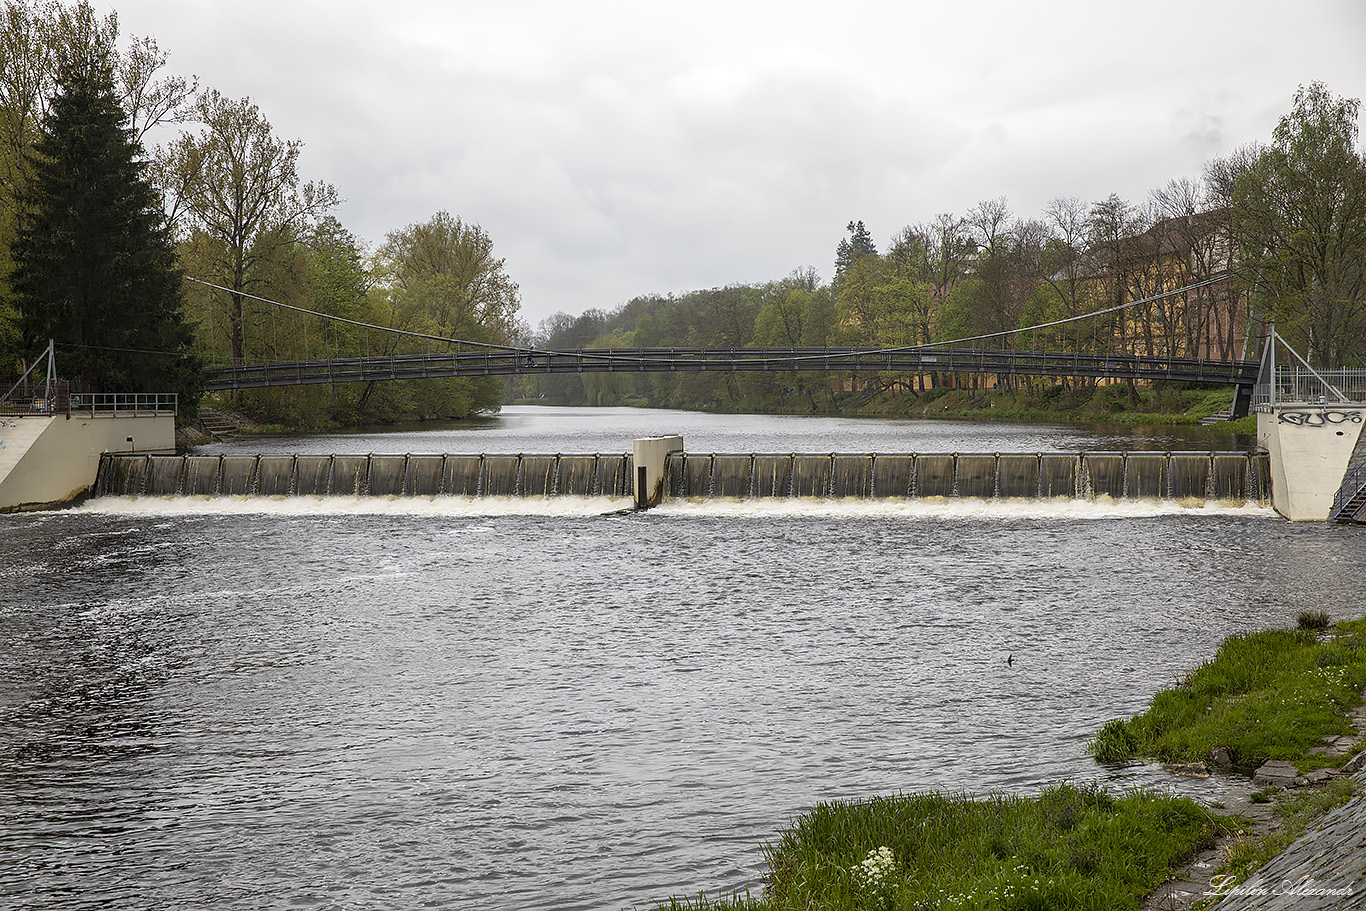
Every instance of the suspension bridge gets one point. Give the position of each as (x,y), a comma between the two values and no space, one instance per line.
(469,359)
(494,361)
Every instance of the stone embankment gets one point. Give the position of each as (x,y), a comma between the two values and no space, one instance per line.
(1321,870)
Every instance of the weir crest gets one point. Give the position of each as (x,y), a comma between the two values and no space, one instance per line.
(1235,477)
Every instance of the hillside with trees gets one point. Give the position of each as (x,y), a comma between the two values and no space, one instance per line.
(237,218)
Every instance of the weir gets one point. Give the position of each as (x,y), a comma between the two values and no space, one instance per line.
(365,475)
(1235,477)
(1195,476)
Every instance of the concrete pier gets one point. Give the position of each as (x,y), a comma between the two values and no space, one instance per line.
(650,455)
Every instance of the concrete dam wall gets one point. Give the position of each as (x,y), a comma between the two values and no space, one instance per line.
(1224,476)
(366,475)
(1195,476)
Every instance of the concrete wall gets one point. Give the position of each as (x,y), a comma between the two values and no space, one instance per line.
(47,461)
(649,457)
(1310,447)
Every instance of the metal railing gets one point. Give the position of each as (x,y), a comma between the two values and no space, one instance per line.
(50,396)
(134,404)
(1296,384)
(1348,500)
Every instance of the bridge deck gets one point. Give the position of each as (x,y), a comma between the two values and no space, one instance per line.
(496,362)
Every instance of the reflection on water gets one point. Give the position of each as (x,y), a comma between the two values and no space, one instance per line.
(385,703)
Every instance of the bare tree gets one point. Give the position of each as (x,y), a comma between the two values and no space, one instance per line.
(1064,265)
(990,219)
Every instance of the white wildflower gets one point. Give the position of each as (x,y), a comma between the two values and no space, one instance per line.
(876,867)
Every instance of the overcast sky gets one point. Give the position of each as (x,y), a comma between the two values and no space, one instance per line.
(613,148)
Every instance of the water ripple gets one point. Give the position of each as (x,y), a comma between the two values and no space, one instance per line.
(362,710)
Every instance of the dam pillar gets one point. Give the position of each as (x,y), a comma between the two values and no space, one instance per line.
(650,454)
(1312,446)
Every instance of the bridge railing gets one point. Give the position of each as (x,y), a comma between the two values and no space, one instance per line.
(501,362)
(1351,495)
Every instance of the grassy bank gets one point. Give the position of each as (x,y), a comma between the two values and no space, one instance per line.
(1070,847)
(1274,694)
(1105,404)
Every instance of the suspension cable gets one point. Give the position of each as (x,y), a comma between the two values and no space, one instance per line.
(352,322)
(509,349)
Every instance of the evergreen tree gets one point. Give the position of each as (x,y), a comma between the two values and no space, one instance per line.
(94,263)
(859,243)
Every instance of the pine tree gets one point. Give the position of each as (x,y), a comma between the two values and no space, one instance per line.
(95,266)
(859,243)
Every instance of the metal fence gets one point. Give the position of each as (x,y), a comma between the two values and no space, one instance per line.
(1298,384)
(56,400)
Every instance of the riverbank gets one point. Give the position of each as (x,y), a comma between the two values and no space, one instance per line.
(1107,405)
(1322,870)
(1285,701)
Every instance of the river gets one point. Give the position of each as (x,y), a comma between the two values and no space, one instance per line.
(389,704)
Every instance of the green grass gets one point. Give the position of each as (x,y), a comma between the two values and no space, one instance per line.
(1268,695)
(1070,847)
(1313,620)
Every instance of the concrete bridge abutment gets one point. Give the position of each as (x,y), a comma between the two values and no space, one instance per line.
(1312,446)
(51,460)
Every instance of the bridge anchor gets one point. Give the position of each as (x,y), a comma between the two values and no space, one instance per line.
(1313,431)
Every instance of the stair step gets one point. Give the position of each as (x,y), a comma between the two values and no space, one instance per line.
(217,423)
(1218,417)
(1351,496)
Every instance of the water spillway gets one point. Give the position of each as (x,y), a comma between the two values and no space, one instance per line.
(1233,477)
(1189,476)
(366,475)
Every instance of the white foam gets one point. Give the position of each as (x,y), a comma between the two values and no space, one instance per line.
(928,508)
(366,506)
(958,508)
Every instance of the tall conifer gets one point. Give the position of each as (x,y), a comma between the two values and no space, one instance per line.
(95,265)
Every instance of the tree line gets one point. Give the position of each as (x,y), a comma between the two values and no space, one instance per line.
(98,233)
(1273,233)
